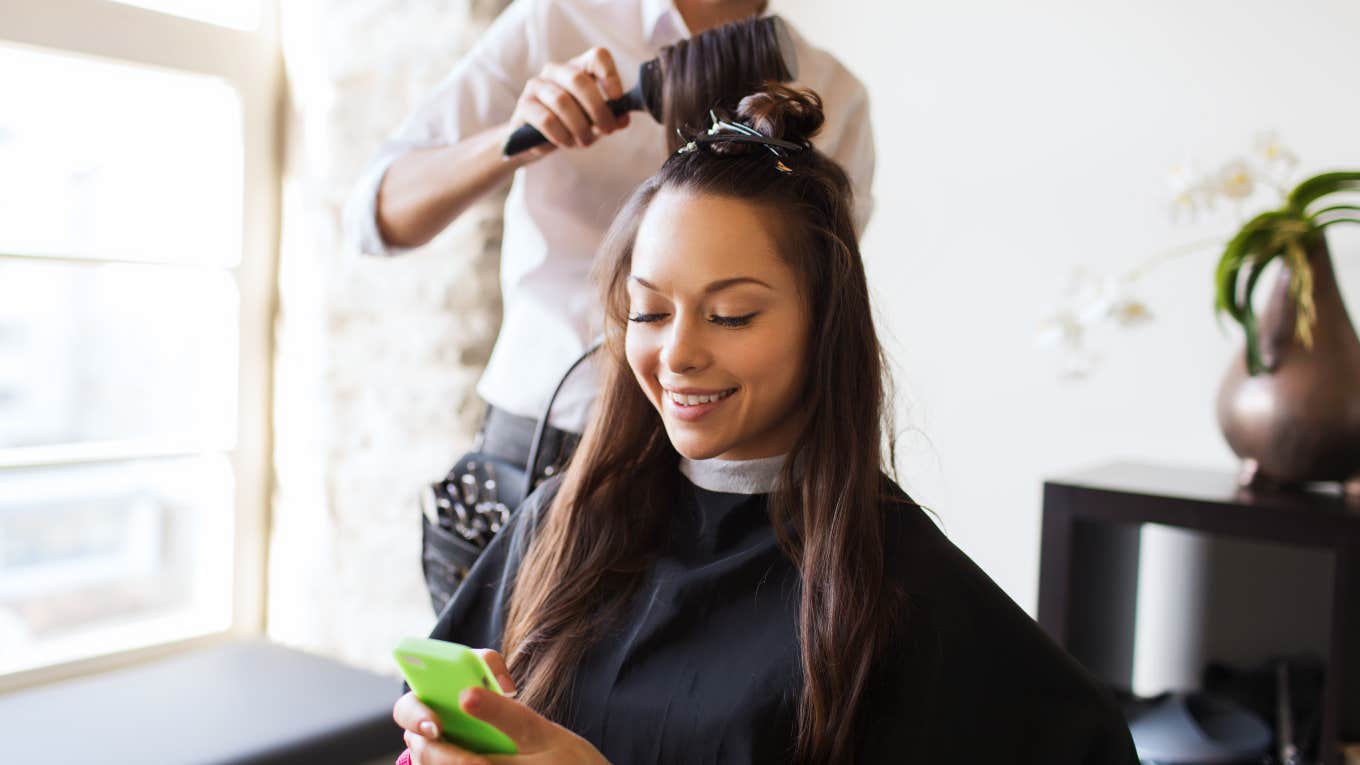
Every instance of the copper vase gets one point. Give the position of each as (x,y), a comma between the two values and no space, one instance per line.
(1299,421)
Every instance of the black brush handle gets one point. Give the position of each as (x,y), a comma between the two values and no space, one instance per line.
(526,136)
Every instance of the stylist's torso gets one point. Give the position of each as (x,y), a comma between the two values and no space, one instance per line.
(560,206)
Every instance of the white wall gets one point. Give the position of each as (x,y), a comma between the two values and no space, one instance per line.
(1017,141)
(377,358)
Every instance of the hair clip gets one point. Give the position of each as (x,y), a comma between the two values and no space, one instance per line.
(723,131)
(687,146)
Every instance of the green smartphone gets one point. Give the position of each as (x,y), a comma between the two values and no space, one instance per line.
(438,672)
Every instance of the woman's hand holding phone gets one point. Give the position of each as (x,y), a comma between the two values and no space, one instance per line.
(539,740)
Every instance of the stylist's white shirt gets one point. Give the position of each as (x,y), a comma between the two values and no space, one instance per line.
(560,206)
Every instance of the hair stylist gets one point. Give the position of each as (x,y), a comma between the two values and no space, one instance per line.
(553,64)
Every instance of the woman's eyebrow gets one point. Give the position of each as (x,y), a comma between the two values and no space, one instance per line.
(643,282)
(717,286)
(723,284)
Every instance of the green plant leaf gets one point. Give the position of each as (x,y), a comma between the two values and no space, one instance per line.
(1229,263)
(1273,234)
(1255,364)
(1320,186)
(1334,208)
(1261,240)
(1251,238)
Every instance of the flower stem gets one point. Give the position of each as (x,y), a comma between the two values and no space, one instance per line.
(1138,271)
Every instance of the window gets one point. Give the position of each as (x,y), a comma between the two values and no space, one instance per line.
(137,238)
(241,14)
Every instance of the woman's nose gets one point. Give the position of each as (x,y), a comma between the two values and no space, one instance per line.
(683,350)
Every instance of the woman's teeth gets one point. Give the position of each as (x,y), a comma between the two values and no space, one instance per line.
(685,400)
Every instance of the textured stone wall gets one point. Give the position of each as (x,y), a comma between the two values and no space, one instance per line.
(376,358)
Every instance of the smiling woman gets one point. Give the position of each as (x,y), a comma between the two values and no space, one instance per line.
(725,573)
(721,359)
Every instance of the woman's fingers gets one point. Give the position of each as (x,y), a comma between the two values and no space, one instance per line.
(415,717)
(426,752)
(496,662)
(523,725)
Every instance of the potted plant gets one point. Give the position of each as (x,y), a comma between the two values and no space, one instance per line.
(1289,404)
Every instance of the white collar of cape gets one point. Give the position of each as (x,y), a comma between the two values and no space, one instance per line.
(757,476)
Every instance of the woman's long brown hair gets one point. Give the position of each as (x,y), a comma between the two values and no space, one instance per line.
(603,527)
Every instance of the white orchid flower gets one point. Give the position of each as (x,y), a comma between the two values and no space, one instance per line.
(1276,160)
(1060,330)
(1067,324)
(1064,330)
(1091,300)
(1236,180)
(1088,302)
(1130,312)
(1111,300)
(1191,192)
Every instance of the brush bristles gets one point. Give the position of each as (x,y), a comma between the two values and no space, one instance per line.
(716,69)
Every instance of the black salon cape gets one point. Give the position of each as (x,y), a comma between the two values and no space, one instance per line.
(703,667)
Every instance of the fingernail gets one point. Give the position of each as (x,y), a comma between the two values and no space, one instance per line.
(427,728)
(506,682)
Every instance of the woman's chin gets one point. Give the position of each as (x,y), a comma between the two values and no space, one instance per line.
(695,448)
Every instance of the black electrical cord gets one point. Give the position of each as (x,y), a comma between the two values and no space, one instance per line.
(537,444)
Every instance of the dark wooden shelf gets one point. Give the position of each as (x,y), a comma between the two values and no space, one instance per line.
(1093,517)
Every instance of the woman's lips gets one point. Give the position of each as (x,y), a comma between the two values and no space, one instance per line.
(693,412)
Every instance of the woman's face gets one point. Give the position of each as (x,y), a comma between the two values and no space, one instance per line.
(717,329)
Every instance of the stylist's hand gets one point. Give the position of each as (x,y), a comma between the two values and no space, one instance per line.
(539,740)
(566,102)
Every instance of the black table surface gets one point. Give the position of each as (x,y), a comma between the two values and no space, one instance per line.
(1212,500)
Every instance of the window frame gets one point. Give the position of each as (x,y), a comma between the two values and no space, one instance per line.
(251,62)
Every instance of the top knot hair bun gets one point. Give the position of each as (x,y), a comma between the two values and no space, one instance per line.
(779,111)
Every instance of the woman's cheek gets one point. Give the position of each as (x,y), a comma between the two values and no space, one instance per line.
(776,358)
(762,353)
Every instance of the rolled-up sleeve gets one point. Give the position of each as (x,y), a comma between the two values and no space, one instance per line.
(479,93)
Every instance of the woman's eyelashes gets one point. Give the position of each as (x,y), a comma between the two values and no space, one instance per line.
(732,321)
(722,321)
